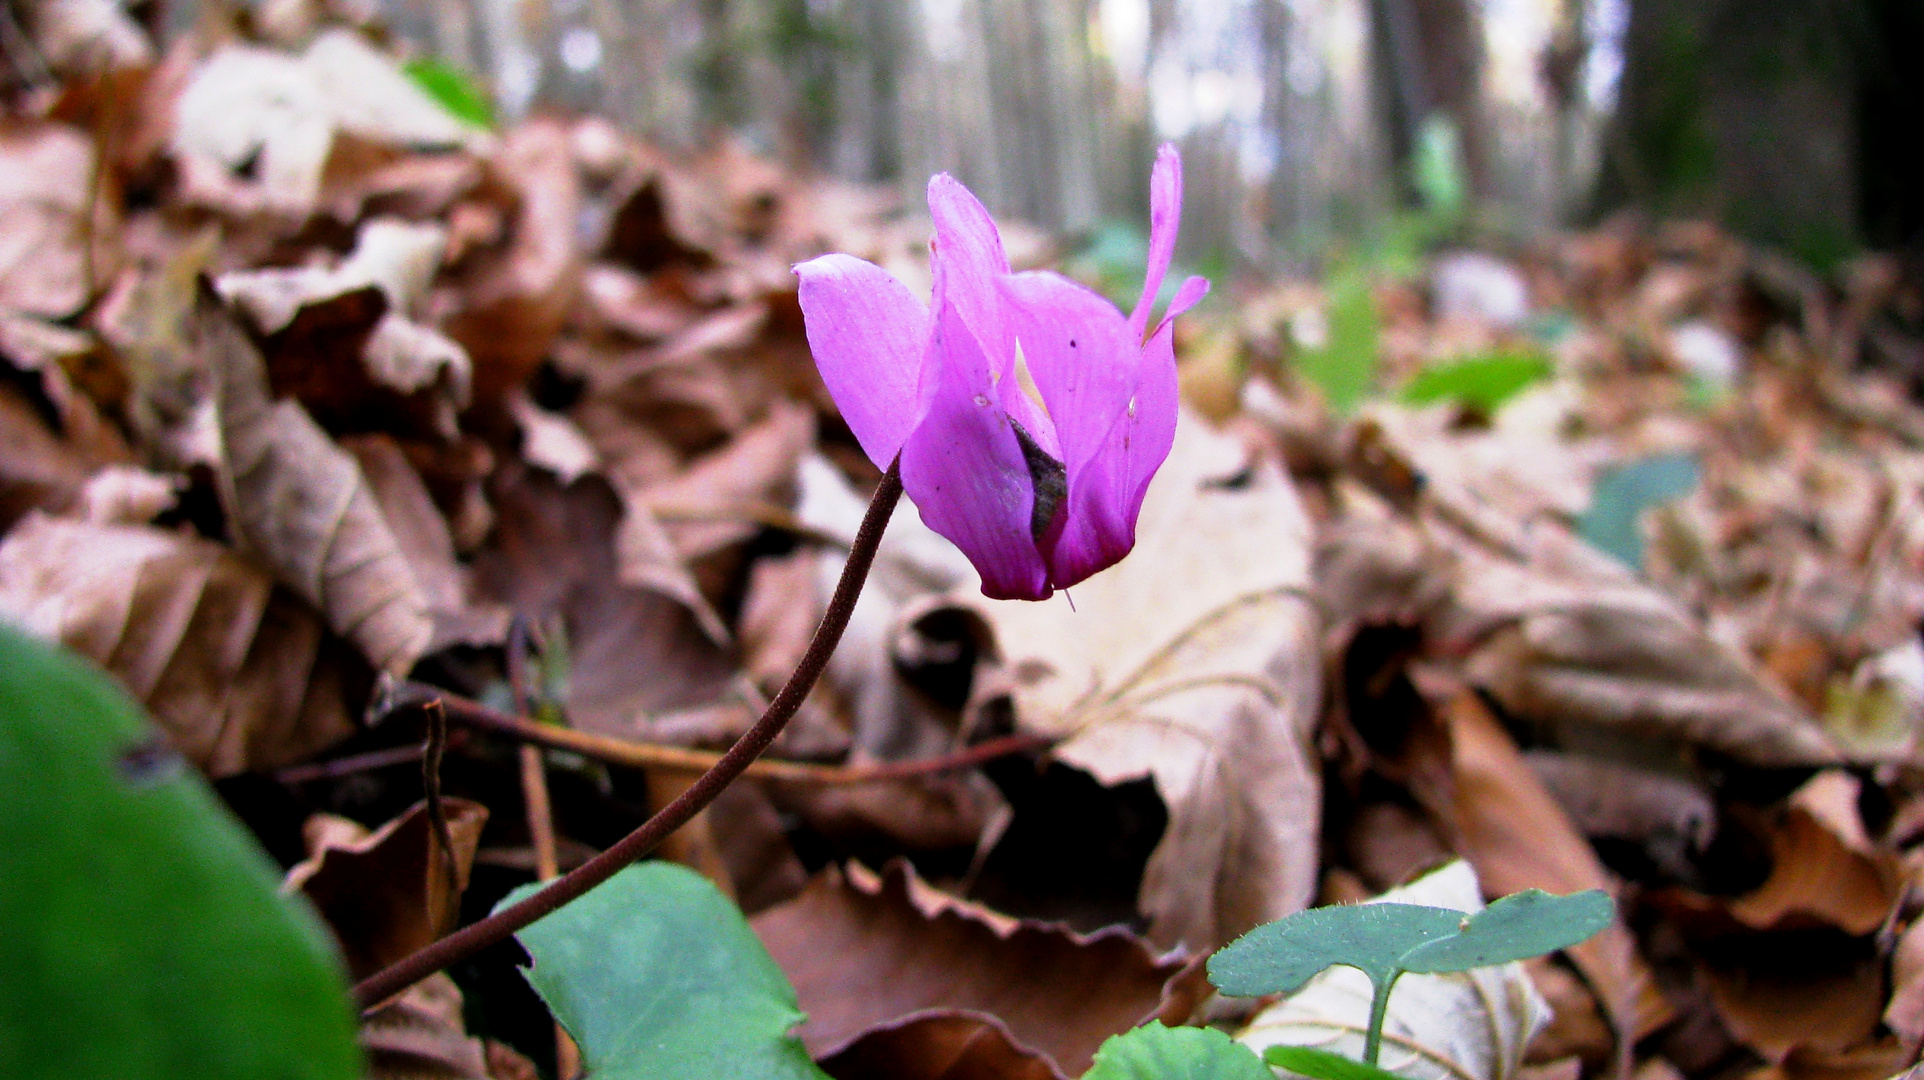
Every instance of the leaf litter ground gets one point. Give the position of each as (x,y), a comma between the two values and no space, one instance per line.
(1618,589)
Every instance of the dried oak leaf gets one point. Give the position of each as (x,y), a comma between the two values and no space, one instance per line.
(865,952)
(387,893)
(239,673)
(1195,662)
(419,1035)
(302,505)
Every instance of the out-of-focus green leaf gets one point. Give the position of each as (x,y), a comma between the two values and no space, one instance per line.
(658,977)
(1620,497)
(1436,168)
(142,933)
(1344,367)
(457,91)
(1323,1064)
(1482,382)
(1154,1052)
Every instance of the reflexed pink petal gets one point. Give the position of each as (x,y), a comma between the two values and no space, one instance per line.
(1098,524)
(1188,295)
(966,261)
(869,335)
(965,471)
(1165,214)
(1081,355)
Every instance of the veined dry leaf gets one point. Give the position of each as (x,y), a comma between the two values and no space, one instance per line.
(302,504)
(865,952)
(386,894)
(1471,1025)
(238,673)
(1195,661)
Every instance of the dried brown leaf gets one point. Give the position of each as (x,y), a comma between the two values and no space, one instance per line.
(382,892)
(239,674)
(864,952)
(301,504)
(1195,662)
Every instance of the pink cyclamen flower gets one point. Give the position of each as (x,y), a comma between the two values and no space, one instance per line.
(1038,495)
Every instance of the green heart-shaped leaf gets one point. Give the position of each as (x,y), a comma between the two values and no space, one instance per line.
(1324,1065)
(1517,927)
(1154,1052)
(658,977)
(142,933)
(1280,957)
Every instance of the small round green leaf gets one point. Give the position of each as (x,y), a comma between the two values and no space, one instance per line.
(1279,957)
(1324,1065)
(658,977)
(1517,927)
(142,933)
(1154,1052)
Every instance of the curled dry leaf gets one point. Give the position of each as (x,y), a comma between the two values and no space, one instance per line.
(939,1046)
(387,893)
(1471,1025)
(866,953)
(302,505)
(240,674)
(1824,868)
(1194,662)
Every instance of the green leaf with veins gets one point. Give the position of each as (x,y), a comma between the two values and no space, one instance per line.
(658,977)
(1154,1052)
(144,930)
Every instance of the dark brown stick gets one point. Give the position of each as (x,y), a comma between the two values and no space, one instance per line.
(499,926)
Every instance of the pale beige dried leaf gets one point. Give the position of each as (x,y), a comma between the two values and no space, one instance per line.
(46,175)
(85,37)
(1195,661)
(552,441)
(235,672)
(301,504)
(1471,1025)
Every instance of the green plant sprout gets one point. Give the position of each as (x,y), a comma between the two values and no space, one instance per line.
(1385,942)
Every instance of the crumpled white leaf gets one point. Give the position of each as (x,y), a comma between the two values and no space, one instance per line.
(1194,661)
(1469,1025)
(282,111)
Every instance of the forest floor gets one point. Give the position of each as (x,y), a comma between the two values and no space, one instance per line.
(1592,562)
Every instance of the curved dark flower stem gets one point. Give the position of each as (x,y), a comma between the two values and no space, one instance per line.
(496,928)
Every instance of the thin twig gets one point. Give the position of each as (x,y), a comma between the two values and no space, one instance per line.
(628,753)
(357,763)
(433,749)
(534,797)
(498,927)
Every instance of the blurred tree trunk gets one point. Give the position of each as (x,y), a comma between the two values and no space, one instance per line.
(1746,111)
(1429,62)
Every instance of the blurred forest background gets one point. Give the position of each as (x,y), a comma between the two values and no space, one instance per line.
(1793,122)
